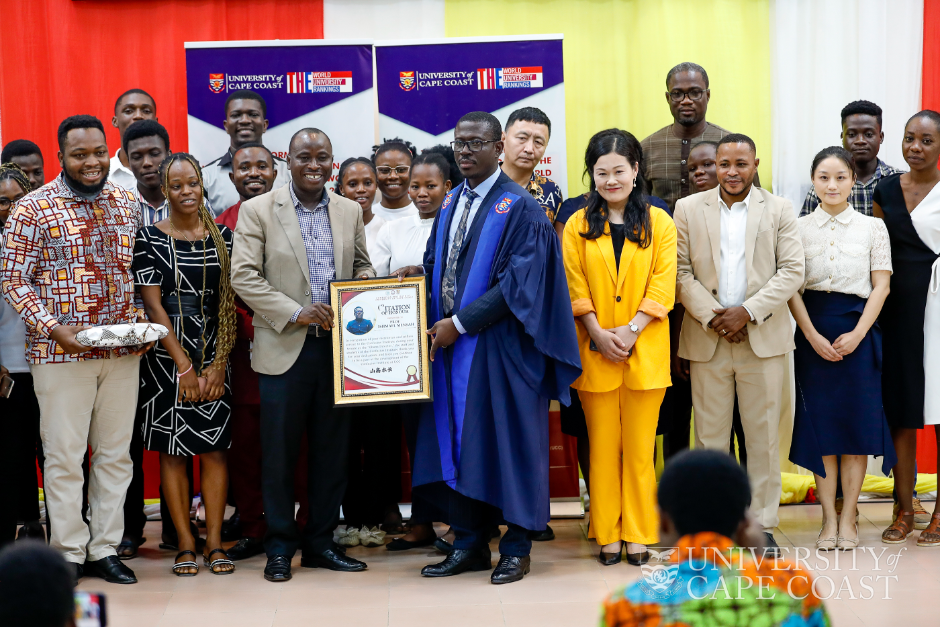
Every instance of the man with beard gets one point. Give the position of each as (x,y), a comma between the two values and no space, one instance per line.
(27,155)
(245,122)
(253,174)
(132,106)
(66,265)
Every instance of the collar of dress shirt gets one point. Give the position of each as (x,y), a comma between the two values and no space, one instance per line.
(324,200)
(226,159)
(821,217)
(116,161)
(747,201)
(485,186)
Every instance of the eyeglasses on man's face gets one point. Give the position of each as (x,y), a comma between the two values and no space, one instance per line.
(385,170)
(475,145)
(677,95)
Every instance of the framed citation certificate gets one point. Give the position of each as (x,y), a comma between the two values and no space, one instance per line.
(380,349)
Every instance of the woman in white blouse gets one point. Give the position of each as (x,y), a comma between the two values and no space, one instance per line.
(393,160)
(838,360)
(357,181)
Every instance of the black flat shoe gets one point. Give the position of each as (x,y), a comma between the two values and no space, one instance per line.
(542,536)
(111,570)
(772,548)
(278,568)
(398,544)
(127,550)
(331,560)
(443,546)
(460,561)
(638,559)
(246,548)
(232,528)
(509,569)
(79,571)
(32,529)
(609,559)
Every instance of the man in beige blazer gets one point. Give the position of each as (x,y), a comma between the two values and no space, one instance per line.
(289,244)
(739,260)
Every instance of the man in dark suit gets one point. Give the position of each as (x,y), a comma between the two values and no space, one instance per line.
(504,344)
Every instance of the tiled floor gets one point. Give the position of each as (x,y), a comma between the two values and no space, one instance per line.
(565,587)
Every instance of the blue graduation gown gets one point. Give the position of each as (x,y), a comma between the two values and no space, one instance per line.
(486,434)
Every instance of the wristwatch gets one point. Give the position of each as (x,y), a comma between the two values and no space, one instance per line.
(633,327)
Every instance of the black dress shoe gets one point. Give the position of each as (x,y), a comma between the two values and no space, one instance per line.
(111,569)
(772,548)
(246,548)
(32,529)
(443,546)
(333,560)
(278,568)
(542,536)
(79,572)
(609,559)
(638,559)
(399,544)
(232,528)
(460,561)
(509,569)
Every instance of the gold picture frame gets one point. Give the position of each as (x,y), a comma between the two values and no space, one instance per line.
(380,353)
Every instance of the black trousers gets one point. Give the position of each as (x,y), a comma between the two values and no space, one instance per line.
(374,474)
(425,509)
(472,521)
(19,448)
(301,400)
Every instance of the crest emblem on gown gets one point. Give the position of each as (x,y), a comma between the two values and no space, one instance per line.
(407,80)
(447,201)
(504,205)
(217,83)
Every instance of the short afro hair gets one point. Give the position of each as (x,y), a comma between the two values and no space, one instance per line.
(926,113)
(36,586)
(688,66)
(862,107)
(246,94)
(146,128)
(456,177)
(253,145)
(487,119)
(529,114)
(134,91)
(74,122)
(704,490)
(435,160)
(738,138)
(19,148)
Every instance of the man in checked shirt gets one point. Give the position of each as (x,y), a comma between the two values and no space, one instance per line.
(289,244)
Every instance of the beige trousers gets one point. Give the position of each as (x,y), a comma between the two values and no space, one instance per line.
(759,383)
(82,404)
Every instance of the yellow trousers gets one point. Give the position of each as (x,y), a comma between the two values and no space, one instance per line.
(622,433)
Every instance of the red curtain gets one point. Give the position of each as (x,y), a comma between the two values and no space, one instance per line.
(71,57)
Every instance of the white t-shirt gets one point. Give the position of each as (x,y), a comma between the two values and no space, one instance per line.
(401,243)
(394,214)
(372,233)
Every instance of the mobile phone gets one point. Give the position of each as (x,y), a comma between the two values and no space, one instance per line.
(6,386)
(90,609)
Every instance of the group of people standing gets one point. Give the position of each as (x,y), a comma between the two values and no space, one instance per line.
(532,299)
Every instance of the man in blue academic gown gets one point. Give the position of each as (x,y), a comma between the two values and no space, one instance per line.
(504,345)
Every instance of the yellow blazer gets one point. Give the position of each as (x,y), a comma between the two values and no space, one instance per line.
(645,281)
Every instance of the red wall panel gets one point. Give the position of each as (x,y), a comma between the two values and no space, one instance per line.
(77,57)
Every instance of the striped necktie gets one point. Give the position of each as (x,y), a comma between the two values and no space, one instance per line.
(450,270)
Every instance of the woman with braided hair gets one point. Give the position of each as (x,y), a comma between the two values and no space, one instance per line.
(181,267)
(14,184)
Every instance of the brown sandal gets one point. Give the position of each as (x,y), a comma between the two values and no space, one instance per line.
(930,536)
(899,531)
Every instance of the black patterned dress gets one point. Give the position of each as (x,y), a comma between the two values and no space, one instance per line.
(182,428)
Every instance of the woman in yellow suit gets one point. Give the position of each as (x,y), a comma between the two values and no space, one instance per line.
(620,261)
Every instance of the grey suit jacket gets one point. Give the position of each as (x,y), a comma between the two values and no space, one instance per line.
(774,261)
(270,271)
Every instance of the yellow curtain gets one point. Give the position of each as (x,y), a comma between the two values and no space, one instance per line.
(618,53)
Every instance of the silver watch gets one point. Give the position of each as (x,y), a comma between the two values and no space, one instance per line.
(633,327)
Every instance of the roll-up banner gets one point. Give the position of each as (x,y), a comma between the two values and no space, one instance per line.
(305,83)
(425,86)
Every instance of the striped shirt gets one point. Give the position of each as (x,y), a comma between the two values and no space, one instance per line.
(318,240)
(860,196)
(665,157)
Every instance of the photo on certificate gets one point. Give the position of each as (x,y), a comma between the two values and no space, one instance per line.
(380,349)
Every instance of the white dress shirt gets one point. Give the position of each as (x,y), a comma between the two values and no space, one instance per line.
(733,276)
(401,243)
(372,237)
(121,176)
(390,215)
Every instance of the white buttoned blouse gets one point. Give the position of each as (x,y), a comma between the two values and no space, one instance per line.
(841,251)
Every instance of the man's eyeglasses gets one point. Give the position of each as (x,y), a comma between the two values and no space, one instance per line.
(694,94)
(385,170)
(475,144)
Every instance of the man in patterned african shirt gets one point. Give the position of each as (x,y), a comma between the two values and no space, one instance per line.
(66,265)
(525,139)
(710,577)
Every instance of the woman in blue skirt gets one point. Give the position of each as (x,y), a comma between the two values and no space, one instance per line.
(838,360)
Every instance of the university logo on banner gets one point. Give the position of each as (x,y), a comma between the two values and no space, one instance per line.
(216,83)
(509,78)
(319,82)
(407,80)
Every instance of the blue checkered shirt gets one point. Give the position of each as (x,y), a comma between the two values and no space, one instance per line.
(318,240)
(860,196)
